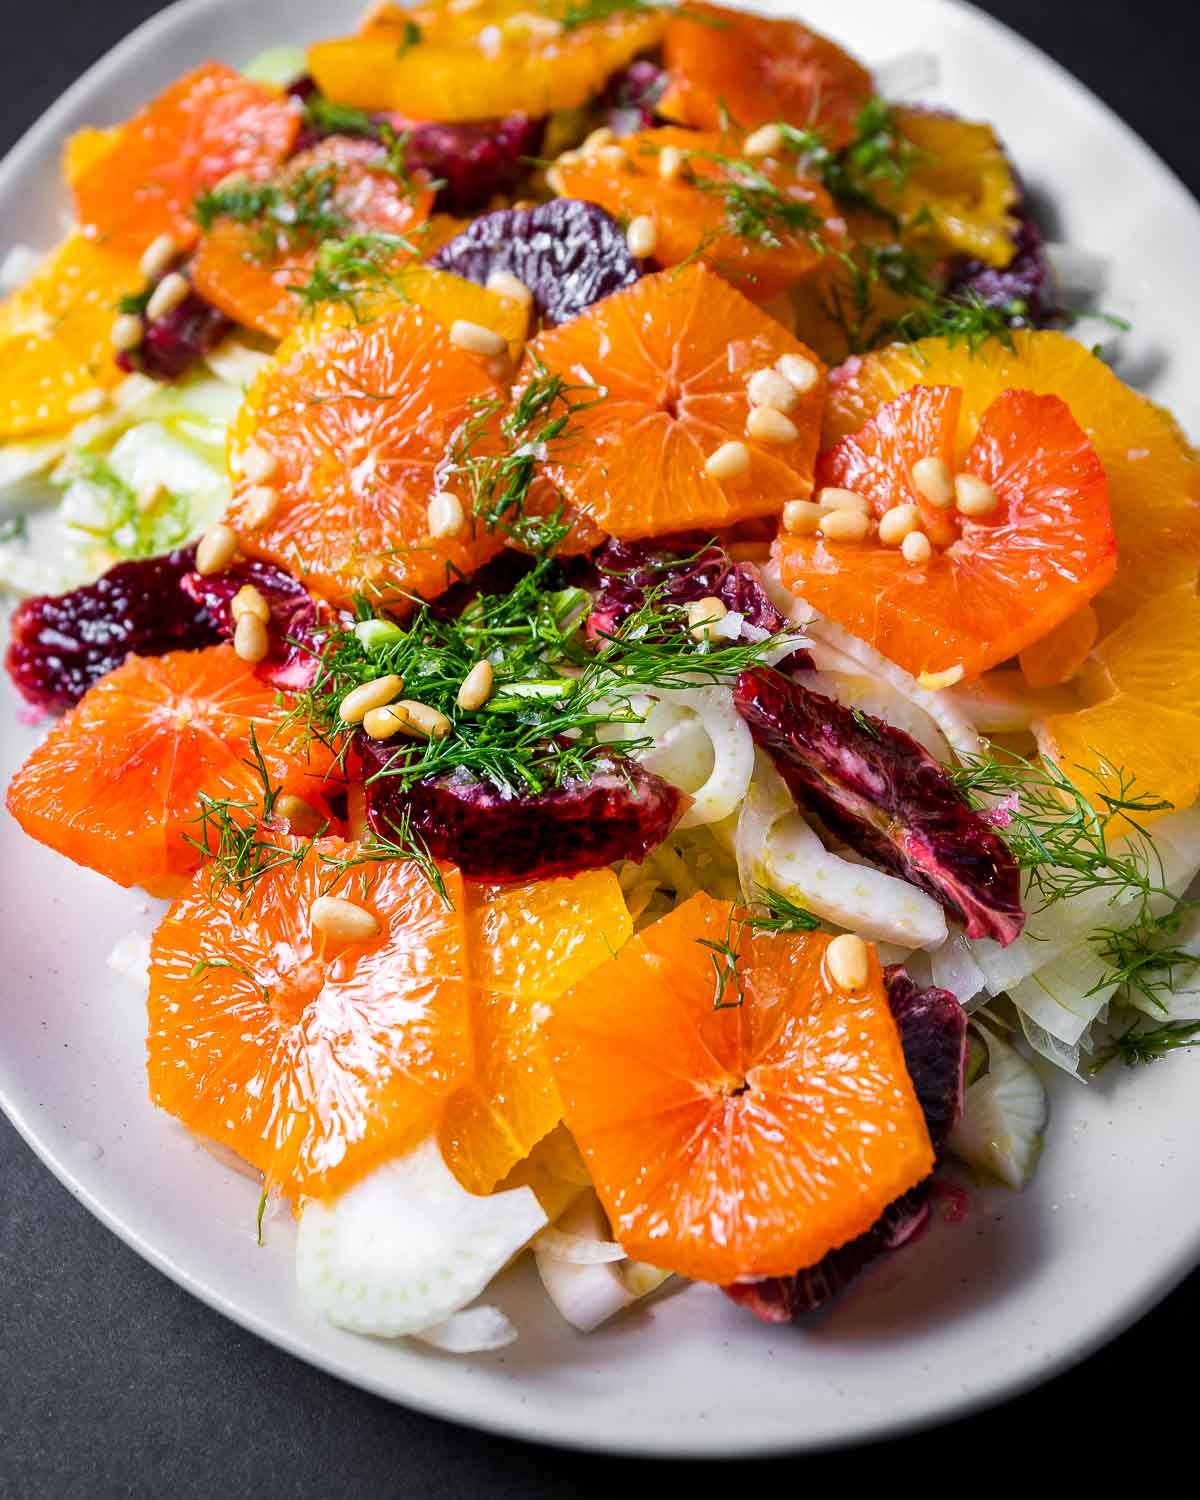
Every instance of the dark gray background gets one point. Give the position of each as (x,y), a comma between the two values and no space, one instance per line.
(113,1382)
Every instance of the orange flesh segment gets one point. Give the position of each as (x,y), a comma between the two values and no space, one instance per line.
(357,417)
(743,1141)
(1153,472)
(752,69)
(527,945)
(691,220)
(210,123)
(312,1060)
(1005,579)
(673,356)
(115,785)
(1058,656)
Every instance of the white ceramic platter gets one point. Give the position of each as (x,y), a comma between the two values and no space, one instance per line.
(977,1310)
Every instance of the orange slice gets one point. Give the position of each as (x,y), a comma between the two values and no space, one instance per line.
(357,416)
(1153,472)
(210,123)
(116,783)
(758,223)
(672,357)
(85,148)
(725,64)
(527,944)
(312,1059)
(742,1139)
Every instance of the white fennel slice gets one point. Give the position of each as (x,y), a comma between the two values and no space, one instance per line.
(1002,702)
(882,700)
(706,751)
(475,1330)
(589,1292)
(954,967)
(1004,1114)
(408,1246)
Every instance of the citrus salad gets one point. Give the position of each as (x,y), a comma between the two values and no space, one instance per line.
(655,672)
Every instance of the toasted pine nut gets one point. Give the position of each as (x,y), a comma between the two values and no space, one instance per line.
(250,638)
(157,257)
(127,331)
(974,496)
(703,615)
(670,163)
(769,425)
(642,236)
(934,482)
(167,295)
(896,523)
(598,138)
(87,403)
(248,601)
(613,156)
(476,686)
(446,515)
(764,141)
(257,464)
(831,498)
(844,525)
(475,338)
(423,722)
(301,817)
(798,371)
(769,388)
(729,461)
(215,550)
(848,962)
(916,548)
(259,505)
(368,695)
(802,517)
(383,723)
(345,921)
(148,497)
(505,284)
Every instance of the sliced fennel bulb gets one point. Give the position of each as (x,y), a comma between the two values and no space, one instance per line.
(701,745)
(1004,1114)
(589,1291)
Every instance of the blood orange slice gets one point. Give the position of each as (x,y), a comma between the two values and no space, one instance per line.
(210,123)
(310,1057)
(743,1127)
(116,784)
(670,360)
(724,64)
(995,582)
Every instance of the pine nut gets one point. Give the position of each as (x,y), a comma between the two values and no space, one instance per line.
(505,284)
(368,695)
(848,962)
(764,141)
(87,403)
(157,257)
(257,464)
(423,722)
(301,817)
(832,498)
(474,338)
(798,371)
(148,497)
(769,425)
(215,550)
(383,723)
(844,525)
(259,505)
(728,462)
(974,496)
(554,181)
(476,687)
(344,921)
(935,682)
(770,388)
(896,523)
(801,517)
(916,548)
(250,638)
(642,237)
(703,615)
(613,156)
(127,331)
(167,296)
(248,601)
(670,163)
(597,139)
(934,482)
(446,515)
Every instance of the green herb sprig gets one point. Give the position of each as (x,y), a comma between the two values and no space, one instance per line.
(1137,1044)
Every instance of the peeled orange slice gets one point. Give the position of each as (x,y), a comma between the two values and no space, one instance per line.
(671,359)
(743,1130)
(116,784)
(1153,472)
(85,147)
(313,1059)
